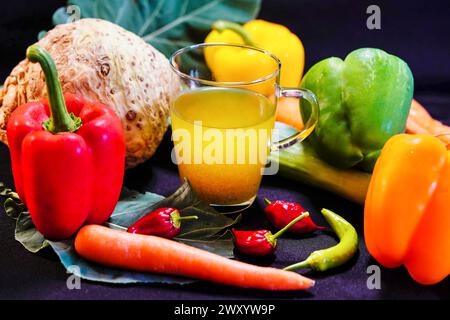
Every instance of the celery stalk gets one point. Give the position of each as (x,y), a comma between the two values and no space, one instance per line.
(299,162)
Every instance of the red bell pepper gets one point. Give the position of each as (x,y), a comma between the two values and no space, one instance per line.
(68,157)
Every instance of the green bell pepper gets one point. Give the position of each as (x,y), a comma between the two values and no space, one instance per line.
(364,100)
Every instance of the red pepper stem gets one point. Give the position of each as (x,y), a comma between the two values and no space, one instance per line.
(267,201)
(286,228)
(60,119)
(222,25)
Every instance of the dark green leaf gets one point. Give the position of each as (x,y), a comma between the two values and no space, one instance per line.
(13,209)
(7,192)
(132,206)
(12,205)
(4,190)
(168,25)
(27,234)
(219,244)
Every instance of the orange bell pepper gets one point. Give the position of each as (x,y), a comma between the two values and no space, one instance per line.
(407,210)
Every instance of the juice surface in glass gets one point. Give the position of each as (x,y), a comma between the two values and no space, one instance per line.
(222,138)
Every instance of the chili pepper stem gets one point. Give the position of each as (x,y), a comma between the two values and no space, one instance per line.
(60,120)
(301,265)
(267,201)
(176,218)
(287,227)
(222,25)
(272,238)
(188,218)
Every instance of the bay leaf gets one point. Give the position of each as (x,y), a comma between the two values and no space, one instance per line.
(222,244)
(12,205)
(13,208)
(27,234)
(132,206)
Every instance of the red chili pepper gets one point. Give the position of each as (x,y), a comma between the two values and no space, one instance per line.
(261,242)
(68,157)
(164,223)
(280,213)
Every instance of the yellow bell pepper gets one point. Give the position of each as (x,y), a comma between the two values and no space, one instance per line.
(407,210)
(272,37)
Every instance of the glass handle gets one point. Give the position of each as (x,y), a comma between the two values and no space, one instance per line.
(310,123)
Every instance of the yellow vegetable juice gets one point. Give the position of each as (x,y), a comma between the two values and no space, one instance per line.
(222,138)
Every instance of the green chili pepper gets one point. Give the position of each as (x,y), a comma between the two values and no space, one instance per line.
(335,256)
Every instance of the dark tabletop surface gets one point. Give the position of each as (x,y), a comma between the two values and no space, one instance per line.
(417,31)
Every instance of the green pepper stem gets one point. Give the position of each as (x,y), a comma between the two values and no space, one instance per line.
(188,218)
(222,25)
(289,225)
(60,119)
(301,265)
(176,218)
(267,201)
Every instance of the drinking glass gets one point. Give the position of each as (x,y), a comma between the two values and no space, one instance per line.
(223,119)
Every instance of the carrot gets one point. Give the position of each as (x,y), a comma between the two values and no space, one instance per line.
(288,112)
(124,250)
(421,122)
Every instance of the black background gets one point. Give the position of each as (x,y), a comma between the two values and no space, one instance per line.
(416,31)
